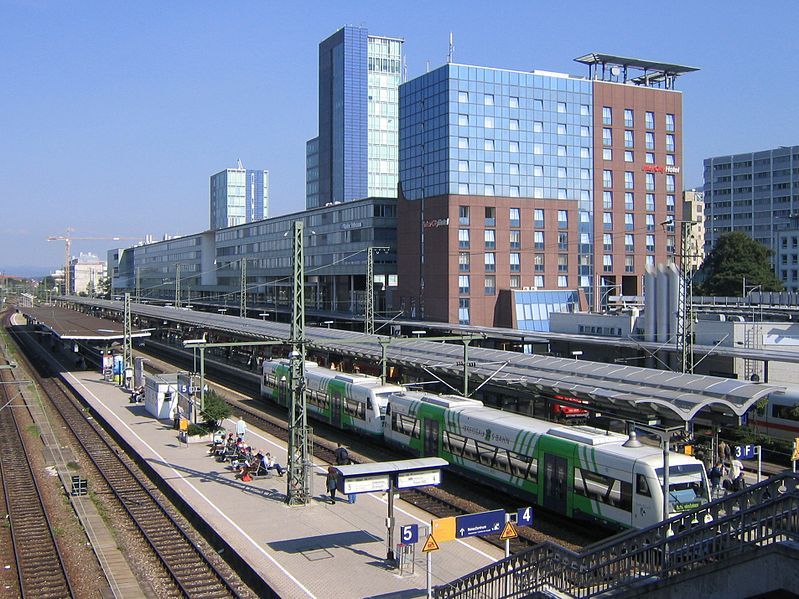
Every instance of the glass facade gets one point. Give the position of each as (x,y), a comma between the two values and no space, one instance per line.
(238,196)
(533,307)
(359,76)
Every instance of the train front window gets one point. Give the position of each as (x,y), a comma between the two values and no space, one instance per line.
(687,488)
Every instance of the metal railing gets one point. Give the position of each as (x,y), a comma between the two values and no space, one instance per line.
(763,514)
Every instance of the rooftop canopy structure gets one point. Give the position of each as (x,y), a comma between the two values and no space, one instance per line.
(621,69)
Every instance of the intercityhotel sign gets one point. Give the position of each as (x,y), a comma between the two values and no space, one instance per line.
(434,224)
(653,168)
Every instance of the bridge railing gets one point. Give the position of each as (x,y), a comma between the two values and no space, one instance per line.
(760,515)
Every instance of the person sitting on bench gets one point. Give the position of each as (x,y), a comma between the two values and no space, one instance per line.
(271,464)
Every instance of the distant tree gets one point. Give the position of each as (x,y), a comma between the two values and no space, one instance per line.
(215,411)
(734,258)
(104,289)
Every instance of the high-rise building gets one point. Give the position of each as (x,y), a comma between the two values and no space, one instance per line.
(512,180)
(239,196)
(87,274)
(355,154)
(755,193)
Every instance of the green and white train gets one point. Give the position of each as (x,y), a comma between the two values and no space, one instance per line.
(579,471)
(348,401)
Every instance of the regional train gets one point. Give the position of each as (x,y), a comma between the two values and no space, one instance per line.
(579,471)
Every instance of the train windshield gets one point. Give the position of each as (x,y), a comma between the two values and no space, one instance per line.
(687,487)
(382,402)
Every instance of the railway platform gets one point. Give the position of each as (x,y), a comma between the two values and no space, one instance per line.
(317,550)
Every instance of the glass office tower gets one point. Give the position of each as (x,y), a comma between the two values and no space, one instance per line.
(355,154)
(239,196)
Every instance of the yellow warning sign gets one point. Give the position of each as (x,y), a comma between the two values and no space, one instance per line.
(444,528)
(509,532)
(430,544)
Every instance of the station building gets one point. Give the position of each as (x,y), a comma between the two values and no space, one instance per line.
(238,196)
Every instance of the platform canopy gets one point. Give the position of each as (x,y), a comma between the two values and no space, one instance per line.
(75,326)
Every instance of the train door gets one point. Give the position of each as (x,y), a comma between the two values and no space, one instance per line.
(430,437)
(646,499)
(555,482)
(335,409)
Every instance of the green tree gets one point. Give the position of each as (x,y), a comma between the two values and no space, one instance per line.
(215,411)
(734,258)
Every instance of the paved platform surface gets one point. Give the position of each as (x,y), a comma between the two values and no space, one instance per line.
(318,550)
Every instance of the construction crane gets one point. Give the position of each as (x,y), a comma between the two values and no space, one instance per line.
(68,239)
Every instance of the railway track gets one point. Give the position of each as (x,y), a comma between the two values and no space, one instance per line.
(191,572)
(40,568)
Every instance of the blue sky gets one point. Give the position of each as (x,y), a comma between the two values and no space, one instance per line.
(114,114)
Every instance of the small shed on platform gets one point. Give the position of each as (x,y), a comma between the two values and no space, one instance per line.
(161,395)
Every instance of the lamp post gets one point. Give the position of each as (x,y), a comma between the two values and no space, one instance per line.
(751,339)
(369,313)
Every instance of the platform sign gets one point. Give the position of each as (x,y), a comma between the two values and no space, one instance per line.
(409,534)
(482,523)
(444,529)
(365,484)
(419,478)
(745,452)
(430,545)
(524,516)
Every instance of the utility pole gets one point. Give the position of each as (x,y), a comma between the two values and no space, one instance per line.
(369,316)
(685,326)
(127,345)
(299,451)
(243,292)
(177,285)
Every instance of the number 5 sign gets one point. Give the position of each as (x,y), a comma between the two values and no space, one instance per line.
(409,534)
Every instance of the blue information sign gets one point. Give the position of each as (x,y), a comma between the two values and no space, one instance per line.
(744,452)
(483,523)
(524,516)
(409,534)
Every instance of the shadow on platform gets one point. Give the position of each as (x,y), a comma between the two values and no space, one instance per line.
(317,548)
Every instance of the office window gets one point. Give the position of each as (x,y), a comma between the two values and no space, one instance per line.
(538,217)
(463,143)
(488,99)
(629,200)
(463,310)
(670,159)
(669,142)
(490,216)
(538,149)
(607,115)
(607,154)
(515,281)
(538,281)
(607,136)
(669,203)
(490,261)
(629,264)
(585,175)
(563,219)
(607,242)
(669,122)
(538,262)
(650,243)
(538,104)
(513,102)
(463,97)
(585,152)
(563,263)
(490,239)
(584,131)
(514,216)
(515,262)
(464,261)
(650,260)
(585,110)
(561,129)
(490,285)
(607,178)
(488,168)
(650,140)
(538,127)
(463,166)
(670,183)
(628,138)
(463,238)
(488,122)
(607,220)
(649,120)
(488,190)
(629,221)
(538,170)
(629,180)
(538,240)
(488,145)
(463,189)
(463,120)
(562,193)
(514,191)
(670,244)
(628,156)
(514,146)
(628,117)
(561,172)
(650,158)
(650,202)
(607,263)
(562,107)
(561,150)
(650,181)
(513,169)
(563,240)
(514,125)
(607,200)
(463,284)
(563,281)
(463,215)
(515,239)
(629,242)
(650,222)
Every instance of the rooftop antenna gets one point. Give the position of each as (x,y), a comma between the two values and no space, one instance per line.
(241,166)
(451,53)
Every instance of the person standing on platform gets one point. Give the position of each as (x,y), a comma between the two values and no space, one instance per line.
(342,455)
(241,428)
(331,483)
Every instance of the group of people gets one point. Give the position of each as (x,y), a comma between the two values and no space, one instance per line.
(727,474)
(246,461)
(137,395)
